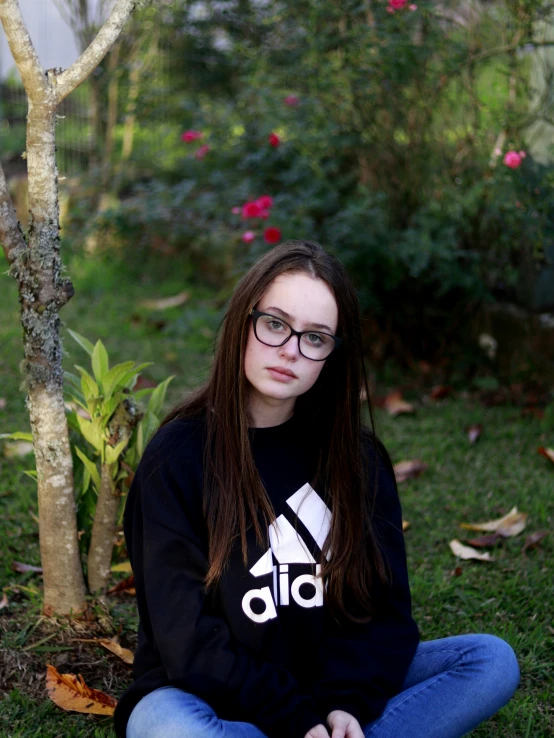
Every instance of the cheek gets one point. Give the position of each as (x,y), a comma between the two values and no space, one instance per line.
(313,373)
(250,354)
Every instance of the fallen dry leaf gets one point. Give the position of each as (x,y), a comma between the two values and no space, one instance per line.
(534,539)
(474,432)
(440,391)
(24,568)
(126,585)
(484,541)
(395,405)
(123,653)
(466,552)
(70,692)
(548,453)
(2,403)
(4,601)
(510,525)
(165,302)
(405,524)
(513,525)
(123,566)
(112,645)
(404,470)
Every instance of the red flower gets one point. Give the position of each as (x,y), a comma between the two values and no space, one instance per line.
(248,236)
(265,202)
(202,151)
(272,235)
(189,136)
(292,100)
(512,159)
(251,210)
(274,139)
(397,4)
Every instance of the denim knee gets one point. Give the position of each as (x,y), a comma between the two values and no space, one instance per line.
(502,665)
(168,712)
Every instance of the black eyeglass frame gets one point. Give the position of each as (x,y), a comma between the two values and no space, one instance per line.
(258,313)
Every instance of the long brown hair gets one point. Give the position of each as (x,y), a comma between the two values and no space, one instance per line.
(234,496)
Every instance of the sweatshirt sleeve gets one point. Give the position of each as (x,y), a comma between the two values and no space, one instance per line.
(196,648)
(364,665)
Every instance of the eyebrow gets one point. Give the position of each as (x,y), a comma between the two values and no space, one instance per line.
(291,319)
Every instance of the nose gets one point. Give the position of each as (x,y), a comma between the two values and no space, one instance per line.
(291,349)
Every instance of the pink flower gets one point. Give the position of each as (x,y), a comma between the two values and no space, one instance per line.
(274,139)
(397,4)
(202,151)
(522,154)
(265,202)
(497,151)
(272,235)
(248,236)
(235,210)
(292,100)
(251,210)
(189,136)
(512,159)
(412,6)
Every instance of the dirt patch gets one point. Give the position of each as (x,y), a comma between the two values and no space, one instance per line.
(30,641)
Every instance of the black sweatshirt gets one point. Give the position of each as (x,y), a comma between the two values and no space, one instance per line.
(261,648)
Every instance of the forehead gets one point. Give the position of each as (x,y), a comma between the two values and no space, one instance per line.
(306,299)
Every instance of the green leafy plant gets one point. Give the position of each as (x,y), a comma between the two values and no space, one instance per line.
(107,417)
(111,431)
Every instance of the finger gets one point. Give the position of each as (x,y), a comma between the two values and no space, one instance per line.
(339,732)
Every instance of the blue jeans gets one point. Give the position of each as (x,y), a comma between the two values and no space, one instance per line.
(452,685)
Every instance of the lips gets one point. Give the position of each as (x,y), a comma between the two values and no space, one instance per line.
(283,371)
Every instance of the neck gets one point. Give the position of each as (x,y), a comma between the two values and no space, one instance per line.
(266,412)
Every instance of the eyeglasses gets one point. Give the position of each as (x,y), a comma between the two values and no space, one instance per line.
(273,331)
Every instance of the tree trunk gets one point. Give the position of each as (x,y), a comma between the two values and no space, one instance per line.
(111,118)
(130,116)
(102,539)
(42,292)
(103,532)
(36,266)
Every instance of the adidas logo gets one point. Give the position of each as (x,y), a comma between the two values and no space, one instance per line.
(287,547)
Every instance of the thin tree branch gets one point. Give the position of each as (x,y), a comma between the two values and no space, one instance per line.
(508,48)
(21,46)
(67,81)
(11,236)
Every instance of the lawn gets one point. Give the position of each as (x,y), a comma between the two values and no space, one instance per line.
(511,597)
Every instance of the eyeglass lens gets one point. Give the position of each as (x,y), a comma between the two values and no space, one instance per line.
(313,345)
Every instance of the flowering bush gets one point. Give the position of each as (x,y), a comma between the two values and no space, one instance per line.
(390,154)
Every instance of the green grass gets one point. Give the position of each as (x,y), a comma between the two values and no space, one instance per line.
(512,597)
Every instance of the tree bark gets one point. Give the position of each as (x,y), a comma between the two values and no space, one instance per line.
(36,265)
(102,539)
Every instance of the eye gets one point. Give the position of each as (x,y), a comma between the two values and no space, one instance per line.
(274,324)
(315,338)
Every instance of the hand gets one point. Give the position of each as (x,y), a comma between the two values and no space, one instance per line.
(344,725)
(320,731)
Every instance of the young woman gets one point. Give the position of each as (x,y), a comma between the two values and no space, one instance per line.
(265,534)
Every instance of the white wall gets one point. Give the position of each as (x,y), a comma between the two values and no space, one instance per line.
(51,37)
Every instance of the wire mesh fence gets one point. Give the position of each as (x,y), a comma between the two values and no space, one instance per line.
(86,126)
